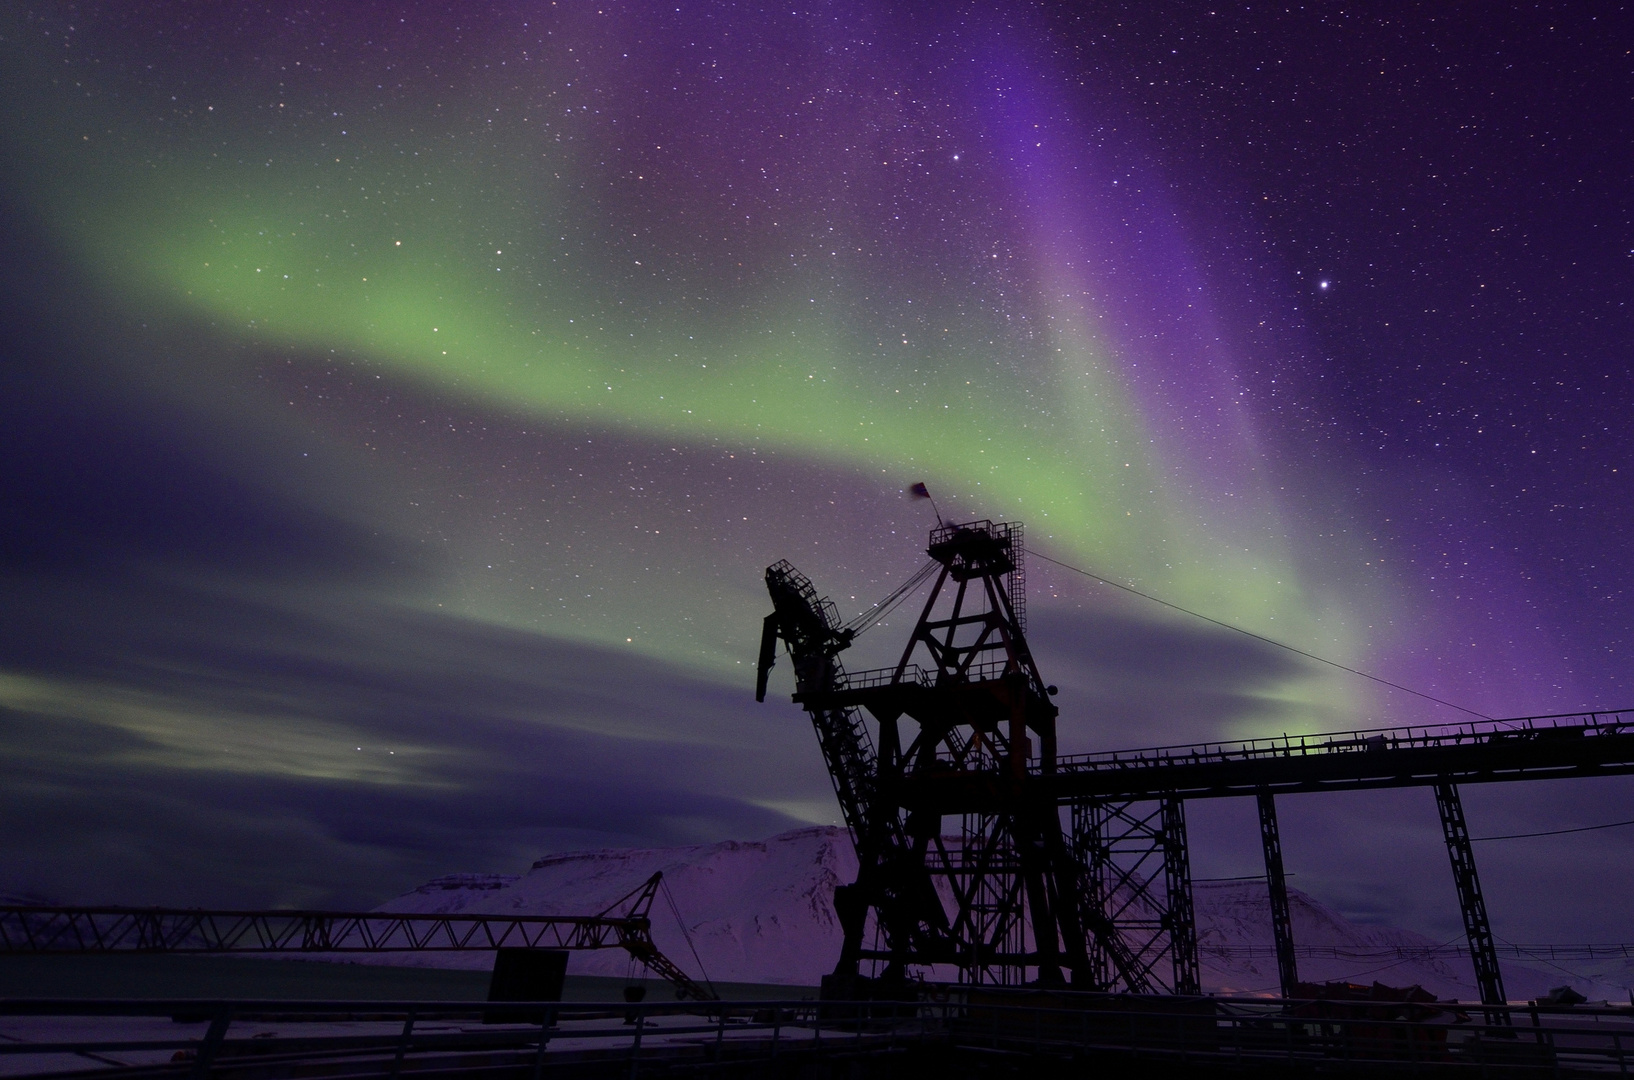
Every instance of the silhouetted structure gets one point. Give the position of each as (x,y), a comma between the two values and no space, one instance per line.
(964,701)
(42,929)
(966,730)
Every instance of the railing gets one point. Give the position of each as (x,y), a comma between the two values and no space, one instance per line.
(202,1039)
(914,675)
(1367,1037)
(1564,725)
(1510,951)
(866,680)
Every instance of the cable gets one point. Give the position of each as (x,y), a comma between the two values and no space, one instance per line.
(675,910)
(1261,637)
(1245,877)
(1397,964)
(874,615)
(1552,832)
(878,612)
(1540,960)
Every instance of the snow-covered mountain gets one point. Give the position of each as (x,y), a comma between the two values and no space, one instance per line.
(763,912)
(759,911)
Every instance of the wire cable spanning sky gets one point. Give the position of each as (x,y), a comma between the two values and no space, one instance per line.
(401,405)
(1261,637)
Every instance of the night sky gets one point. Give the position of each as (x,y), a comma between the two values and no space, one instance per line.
(400,405)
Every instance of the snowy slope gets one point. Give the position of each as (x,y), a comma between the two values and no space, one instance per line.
(763,912)
(1235,915)
(756,912)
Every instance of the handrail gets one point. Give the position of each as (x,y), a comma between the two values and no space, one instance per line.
(1586,724)
(1509,950)
(1311,1035)
(915,675)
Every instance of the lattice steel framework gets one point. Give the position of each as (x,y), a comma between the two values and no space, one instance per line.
(964,703)
(1136,894)
(985,877)
(1482,950)
(1276,884)
(50,929)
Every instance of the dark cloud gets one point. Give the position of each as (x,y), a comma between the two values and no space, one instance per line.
(353,765)
(1131,682)
(1376,856)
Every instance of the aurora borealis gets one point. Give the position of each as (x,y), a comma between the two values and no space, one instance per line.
(403,402)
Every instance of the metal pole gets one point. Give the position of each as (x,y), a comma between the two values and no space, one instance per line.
(1281,922)
(403,1044)
(1483,952)
(1182,917)
(212,1041)
(635,1044)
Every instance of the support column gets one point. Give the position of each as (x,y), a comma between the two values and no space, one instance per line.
(1482,952)
(1181,915)
(1112,963)
(1282,931)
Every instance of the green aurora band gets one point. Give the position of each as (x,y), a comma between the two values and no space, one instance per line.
(464,255)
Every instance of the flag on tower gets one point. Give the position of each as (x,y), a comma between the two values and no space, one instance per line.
(920,491)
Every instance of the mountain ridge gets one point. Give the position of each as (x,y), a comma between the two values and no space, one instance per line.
(761,911)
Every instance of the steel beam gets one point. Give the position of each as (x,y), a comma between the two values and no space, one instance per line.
(1533,748)
(1482,951)
(1111,964)
(1282,931)
(89,929)
(1182,914)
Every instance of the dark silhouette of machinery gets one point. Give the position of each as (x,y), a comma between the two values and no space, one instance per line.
(1077,869)
(625,924)
(964,701)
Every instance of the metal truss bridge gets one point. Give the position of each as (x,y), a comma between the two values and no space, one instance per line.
(1529,748)
(1127,810)
(1075,869)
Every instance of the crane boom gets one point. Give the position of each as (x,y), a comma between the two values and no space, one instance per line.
(624,924)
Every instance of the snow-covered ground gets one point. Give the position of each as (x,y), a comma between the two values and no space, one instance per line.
(763,912)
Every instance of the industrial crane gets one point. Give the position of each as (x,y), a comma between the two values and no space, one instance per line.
(1005,901)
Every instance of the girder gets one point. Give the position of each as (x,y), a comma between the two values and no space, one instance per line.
(114,929)
(54,929)
(1276,885)
(1523,748)
(1477,928)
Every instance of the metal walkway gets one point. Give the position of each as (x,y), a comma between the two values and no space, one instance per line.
(1525,748)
